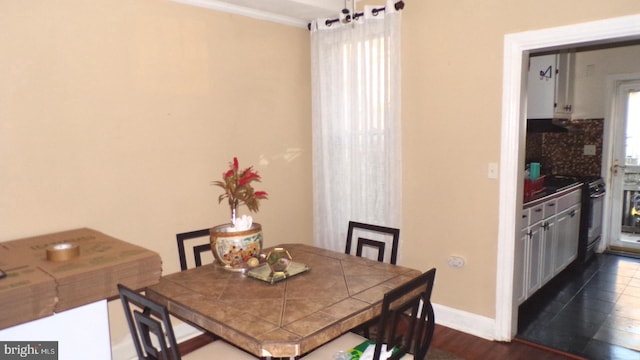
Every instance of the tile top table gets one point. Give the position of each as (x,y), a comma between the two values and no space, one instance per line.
(290,317)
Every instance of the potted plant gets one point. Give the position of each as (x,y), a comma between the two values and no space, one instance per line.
(235,244)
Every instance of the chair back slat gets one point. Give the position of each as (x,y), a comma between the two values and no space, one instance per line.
(380,246)
(371,243)
(150,326)
(147,326)
(407,320)
(197,249)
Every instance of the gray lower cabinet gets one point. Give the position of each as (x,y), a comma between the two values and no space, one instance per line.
(536,260)
(568,234)
(548,242)
(549,248)
(520,267)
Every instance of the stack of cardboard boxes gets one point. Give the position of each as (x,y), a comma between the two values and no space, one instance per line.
(37,286)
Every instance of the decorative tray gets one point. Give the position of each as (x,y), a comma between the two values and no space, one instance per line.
(263,272)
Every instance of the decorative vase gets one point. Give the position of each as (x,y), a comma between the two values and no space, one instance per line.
(279,260)
(233,249)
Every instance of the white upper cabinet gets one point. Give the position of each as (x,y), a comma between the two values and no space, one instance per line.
(550,86)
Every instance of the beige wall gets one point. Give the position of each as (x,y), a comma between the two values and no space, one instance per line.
(116,115)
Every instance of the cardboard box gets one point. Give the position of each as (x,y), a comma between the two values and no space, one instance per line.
(103,262)
(27,293)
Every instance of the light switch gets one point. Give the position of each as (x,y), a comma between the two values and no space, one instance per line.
(492,172)
(589,150)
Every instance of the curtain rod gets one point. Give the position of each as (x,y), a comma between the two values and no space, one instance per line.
(399,6)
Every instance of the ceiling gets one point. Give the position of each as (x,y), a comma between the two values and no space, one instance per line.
(288,12)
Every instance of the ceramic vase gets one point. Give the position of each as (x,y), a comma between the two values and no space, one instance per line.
(232,249)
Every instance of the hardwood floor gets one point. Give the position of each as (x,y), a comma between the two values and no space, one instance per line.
(470,347)
(195,343)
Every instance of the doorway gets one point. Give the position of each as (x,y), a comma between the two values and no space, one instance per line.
(516,52)
(624,177)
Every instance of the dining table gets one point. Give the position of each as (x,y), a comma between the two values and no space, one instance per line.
(332,294)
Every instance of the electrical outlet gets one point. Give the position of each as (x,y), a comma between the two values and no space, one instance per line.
(455,261)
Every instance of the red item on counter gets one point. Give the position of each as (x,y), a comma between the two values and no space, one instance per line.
(531,187)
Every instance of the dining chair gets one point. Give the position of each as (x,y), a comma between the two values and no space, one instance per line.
(406,324)
(380,246)
(153,335)
(197,249)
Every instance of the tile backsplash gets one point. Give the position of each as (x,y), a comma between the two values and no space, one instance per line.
(564,153)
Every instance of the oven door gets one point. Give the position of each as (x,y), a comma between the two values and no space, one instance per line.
(595,217)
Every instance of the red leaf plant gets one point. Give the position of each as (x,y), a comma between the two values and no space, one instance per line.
(238,190)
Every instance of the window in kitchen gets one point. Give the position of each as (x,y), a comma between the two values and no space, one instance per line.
(356,124)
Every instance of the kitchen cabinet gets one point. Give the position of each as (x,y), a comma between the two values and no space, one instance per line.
(568,232)
(535,261)
(549,246)
(521,259)
(550,86)
(528,254)
(548,241)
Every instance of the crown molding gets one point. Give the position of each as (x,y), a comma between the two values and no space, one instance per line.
(245,11)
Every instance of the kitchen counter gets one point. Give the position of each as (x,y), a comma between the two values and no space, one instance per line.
(549,193)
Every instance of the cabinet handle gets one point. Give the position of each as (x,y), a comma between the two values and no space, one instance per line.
(551,204)
(538,210)
(572,213)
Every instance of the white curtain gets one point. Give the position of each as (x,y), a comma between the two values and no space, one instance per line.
(357,163)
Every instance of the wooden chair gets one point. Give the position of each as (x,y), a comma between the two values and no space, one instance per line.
(406,323)
(379,245)
(197,249)
(153,335)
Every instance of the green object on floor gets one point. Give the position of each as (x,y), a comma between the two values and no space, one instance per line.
(357,351)
(433,354)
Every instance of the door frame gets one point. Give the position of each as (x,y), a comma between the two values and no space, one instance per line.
(517,47)
(614,84)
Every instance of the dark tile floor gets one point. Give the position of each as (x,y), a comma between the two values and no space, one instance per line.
(591,310)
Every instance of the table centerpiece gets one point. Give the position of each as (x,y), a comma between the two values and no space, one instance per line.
(237,245)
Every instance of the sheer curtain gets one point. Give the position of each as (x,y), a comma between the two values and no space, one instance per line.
(357,163)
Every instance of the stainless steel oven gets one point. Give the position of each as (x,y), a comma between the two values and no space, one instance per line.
(591,222)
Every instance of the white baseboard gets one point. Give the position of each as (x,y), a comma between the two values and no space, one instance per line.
(466,322)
